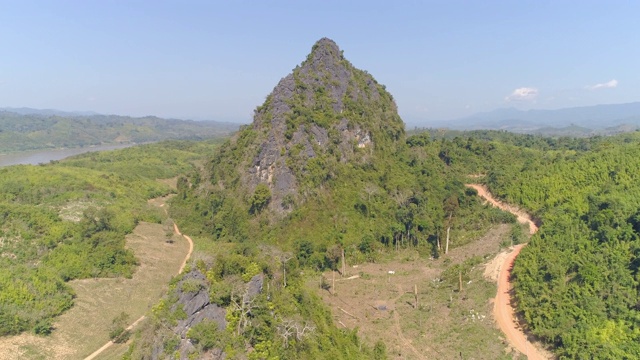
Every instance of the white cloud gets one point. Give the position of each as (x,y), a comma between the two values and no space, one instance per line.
(522,94)
(608,85)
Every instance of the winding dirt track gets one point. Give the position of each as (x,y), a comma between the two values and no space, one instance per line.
(503,310)
(130,327)
(523,217)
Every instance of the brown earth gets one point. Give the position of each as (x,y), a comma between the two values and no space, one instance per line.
(446,323)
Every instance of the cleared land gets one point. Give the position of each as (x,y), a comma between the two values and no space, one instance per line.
(85,327)
(447,324)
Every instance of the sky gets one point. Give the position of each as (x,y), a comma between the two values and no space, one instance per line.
(218,60)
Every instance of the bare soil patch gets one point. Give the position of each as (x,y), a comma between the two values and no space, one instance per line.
(447,324)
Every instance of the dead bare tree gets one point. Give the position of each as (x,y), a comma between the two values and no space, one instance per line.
(286,330)
(344,266)
(284,258)
(243,307)
(370,189)
(281,256)
(289,328)
(446,249)
(304,330)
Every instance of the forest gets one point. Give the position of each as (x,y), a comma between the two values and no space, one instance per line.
(577,282)
(23,132)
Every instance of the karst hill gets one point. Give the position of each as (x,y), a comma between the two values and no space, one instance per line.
(325,114)
(325,160)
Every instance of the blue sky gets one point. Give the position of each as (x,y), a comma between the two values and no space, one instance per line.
(220,59)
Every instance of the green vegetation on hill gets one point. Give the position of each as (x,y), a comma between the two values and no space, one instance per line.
(68,220)
(577,282)
(324,169)
(34,132)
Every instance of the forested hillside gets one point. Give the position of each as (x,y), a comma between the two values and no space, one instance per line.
(324,170)
(67,220)
(325,175)
(21,132)
(577,281)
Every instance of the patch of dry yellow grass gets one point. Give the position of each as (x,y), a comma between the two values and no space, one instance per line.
(85,327)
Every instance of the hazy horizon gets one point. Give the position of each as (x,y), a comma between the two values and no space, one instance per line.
(219,60)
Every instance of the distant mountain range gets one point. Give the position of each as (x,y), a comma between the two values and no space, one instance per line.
(586,120)
(33,129)
(47,112)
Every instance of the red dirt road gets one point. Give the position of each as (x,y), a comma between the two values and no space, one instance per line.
(523,217)
(503,311)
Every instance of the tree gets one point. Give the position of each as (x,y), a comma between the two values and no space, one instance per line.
(260,199)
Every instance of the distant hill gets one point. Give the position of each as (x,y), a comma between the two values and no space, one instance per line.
(577,121)
(30,129)
(47,112)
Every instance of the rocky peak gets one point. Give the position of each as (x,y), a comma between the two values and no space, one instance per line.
(325,53)
(325,113)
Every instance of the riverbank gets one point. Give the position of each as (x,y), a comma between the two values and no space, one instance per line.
(44,156)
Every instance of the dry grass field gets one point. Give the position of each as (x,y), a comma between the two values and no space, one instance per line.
(85,327)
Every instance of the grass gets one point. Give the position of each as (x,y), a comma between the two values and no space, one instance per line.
(85,327)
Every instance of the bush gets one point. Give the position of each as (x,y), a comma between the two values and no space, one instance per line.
(117,331)
(43,327)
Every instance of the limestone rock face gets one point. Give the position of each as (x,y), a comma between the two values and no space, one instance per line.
(327,111)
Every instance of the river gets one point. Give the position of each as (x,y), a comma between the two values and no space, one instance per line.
(44,156)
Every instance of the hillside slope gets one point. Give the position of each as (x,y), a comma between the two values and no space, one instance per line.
(22,132)
(324,169)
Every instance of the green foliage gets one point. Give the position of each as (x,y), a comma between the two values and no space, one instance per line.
(43,327)
(380,351)
(117,332)
(32,132)
(260,199)
(191,285)
(251,270)
(68,220)
(205,334)
(577,282)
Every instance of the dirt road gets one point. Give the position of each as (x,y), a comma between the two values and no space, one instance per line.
(523,216)
(503,310)
(130,327)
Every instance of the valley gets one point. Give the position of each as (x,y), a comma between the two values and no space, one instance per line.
(322,230)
